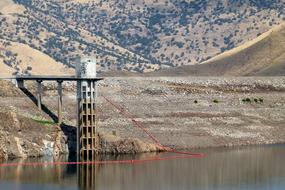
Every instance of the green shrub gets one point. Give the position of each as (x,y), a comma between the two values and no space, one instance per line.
(248,100)
(216,101)
(44,122)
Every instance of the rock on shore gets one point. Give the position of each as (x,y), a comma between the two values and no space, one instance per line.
(111,144)
(24,137)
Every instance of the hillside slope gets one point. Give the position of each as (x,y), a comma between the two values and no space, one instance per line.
(138,35)
(63,40)
(264,55)
(8,7)
(22,59)
(5,71)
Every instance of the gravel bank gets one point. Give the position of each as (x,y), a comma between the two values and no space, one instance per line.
(183,113)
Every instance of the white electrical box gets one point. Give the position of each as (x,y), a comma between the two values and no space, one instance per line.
(86,68)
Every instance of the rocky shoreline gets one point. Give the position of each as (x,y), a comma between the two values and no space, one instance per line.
(183,113)
(21,138)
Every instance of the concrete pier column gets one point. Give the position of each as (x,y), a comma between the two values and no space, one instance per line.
(59,106)
(20,84)
(39,94)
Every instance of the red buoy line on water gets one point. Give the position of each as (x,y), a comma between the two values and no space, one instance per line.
(100,162)
(182,155)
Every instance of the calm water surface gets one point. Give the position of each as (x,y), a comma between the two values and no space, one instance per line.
(222,169)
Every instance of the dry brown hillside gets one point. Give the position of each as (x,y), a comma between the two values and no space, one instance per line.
(22,59)
(264,55)
(5,71)
(136,35)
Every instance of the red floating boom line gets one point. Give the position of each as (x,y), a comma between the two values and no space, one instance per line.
(101,162)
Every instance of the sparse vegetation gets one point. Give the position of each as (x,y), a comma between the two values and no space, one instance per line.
(139,36)
(249,100)
(216,101)
(44,122)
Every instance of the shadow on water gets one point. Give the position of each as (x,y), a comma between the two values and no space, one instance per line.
(242,168)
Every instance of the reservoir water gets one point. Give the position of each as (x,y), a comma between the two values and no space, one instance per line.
(254,168)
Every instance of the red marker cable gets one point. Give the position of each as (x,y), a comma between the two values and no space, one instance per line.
(101,162)
(138,125)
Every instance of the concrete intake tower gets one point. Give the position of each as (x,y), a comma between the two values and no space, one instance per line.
(86,108)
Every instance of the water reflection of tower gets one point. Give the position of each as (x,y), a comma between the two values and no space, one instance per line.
(87,176)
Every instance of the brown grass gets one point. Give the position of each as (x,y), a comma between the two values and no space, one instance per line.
(263,56)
